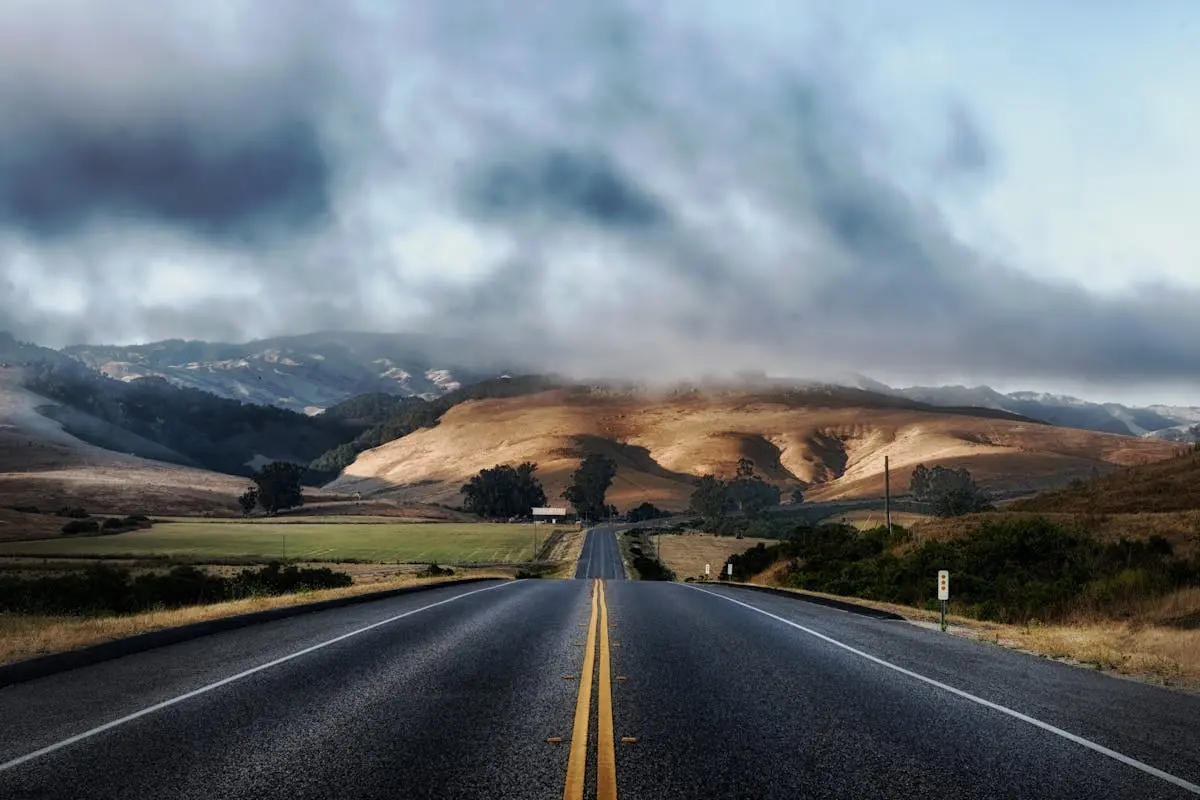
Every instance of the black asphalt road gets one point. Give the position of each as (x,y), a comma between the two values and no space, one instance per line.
(601,557)
(729,693)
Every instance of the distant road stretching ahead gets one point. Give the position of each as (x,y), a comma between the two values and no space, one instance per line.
(597,689)
(601,557)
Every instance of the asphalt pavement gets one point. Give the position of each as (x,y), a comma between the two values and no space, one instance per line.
(601,557)
(593,688)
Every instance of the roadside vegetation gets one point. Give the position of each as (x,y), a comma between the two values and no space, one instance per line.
(1104,572)
(1005,570)
(643,556)
(103,589)
(25,636)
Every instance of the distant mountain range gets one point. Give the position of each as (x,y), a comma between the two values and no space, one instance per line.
(312,372)
(1172,423)
(306,373)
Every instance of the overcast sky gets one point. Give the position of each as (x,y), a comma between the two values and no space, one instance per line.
(919,191)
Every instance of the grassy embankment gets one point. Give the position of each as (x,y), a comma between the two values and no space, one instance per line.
(376,554)
(25,636)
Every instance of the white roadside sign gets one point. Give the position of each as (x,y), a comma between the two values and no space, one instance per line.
(943,584)
(729,570)
(708,569)
(549,512)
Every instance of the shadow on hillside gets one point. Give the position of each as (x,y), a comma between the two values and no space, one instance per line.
(626,455)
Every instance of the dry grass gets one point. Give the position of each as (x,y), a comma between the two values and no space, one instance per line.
(17,525)
(23,637)
(566,545)
(866,519)
(686,554)
(660,443)
(1145,647)
(1164,486)
(1181,529)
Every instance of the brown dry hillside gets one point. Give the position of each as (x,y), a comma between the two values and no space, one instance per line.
(832,445)
(1170,485)
(41,465)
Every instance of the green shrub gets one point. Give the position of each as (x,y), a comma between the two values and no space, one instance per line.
(1008,570)
(81,526)
(651,569)
(106,590)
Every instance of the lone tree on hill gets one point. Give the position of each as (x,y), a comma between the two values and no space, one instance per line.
(278,485)
(589,484)
(503,491)
(948,492)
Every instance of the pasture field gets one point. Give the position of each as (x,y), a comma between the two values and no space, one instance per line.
(686,554)
(383,542)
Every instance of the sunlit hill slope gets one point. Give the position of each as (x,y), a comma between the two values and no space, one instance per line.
(831,442)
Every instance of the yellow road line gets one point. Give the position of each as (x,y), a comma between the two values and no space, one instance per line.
(577,763)
(606,760)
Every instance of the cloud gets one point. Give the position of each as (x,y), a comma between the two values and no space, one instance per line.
(559,185)
(62,178)
(635,191)
(967,150)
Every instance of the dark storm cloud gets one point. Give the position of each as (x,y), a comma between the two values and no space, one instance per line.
(61,176)
(559,184)
(671,203)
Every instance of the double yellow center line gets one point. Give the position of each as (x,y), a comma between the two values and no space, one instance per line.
(606,761)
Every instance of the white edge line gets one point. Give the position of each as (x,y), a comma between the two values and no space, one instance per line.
(1113,754)
(16,762)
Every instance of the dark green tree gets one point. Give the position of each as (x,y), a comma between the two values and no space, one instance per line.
(948,492)
(589,485)
(749,493)
(504,491)
(646,511)
(248,499)
(711,499)
(278,486)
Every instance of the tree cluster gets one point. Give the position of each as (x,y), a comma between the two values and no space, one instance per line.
(589,485)
(504,491)
(646,512)
(747,492)
(948,492)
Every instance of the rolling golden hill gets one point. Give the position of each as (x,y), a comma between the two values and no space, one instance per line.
(831,444)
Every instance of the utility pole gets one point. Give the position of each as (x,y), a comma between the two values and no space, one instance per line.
(887,493)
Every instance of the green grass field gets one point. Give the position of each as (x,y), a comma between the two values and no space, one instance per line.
(444,543)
